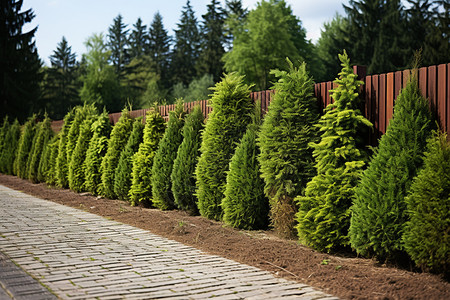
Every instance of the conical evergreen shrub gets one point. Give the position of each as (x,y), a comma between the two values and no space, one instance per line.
(379,209)
(245,205)
(24,148)
(77,165)
(324,211)
(43,135)
(231,109)
(8,153)
(141,184)
(98,146)
(47,164)
(3,131)
(61,169)
(183,176)
(122,178)
(116,143)
(286,159)
(426,236)
(164,159)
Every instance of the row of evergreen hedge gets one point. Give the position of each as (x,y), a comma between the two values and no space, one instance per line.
(295,170)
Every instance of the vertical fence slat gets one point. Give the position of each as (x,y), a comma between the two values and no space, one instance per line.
(447,128)
(382,103)
(328,95)
(423,79)
(406,74)
(368,103)
(389,97)
(441,94)
(323,93)
(431,87)
(398,83)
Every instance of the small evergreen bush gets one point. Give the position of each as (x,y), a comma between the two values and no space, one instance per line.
(324,211)
(47,164)
(426,236)
(183,176)
(116,143)
(141,184)
(122,181)
(3,131)
(231,109)
(24,147)
(379,209)
(245,206)
(98,146)
(10,144)
(43,135)
(286,158)
(164,159)
(61,159)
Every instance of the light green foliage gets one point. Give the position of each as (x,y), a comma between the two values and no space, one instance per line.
(183,177)
(245,205)
(141,185)
(286,159)
(9,148)
(43,135)
(164,159)
(61,159)
(324,210)
(24,148)
(98,146)
(46,171)
(379,210)
(3,130)
(231,108)
(426,236)
(116,143)
(122,178)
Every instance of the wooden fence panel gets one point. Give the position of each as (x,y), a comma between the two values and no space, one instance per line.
(431,88)
(382,102)
(375,96)
(441,95)
(389,97)
(447,128)
(397,83)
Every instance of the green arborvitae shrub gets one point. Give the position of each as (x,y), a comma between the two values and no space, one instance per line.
(183,177)
(379,209)
(43,135)
(165,157)
(324,210)
(141,184)
(122,178)
(98,146)
(47,164)
(8,154)
(231,109)
(286,158)
(77,165)
(427,236)
(61,169)
(24,148)
(245,204)
(116,143)
(3,131)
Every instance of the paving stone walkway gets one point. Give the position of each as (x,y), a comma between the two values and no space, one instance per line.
(79,255)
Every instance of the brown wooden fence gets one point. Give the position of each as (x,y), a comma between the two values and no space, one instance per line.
(379,92)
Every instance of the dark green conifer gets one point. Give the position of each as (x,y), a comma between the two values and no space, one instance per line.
(46,167)
(231,108)
(24,148)
(183,177)
(286,159)
(122,178)
(324,210)
(61,168)
(3,130)
(164,159)
(141,184)
(43,135)
(116,143)
(9,151)
(98,146)
(379,209)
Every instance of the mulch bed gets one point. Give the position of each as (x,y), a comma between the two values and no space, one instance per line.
(342,274)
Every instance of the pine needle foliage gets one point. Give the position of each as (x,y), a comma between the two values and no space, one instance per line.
(245,205)
(122,178)
(43,135)
(165,157)
(141,184)
(427,236)
(3,131)
(24,148)
(231,109)
(324,210)
(116,143)
(379,209)
(47,166)
(183,176)
(61,169)
(8,154)
(286,158)
(98,145)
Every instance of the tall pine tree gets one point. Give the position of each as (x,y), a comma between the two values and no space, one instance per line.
(159,49)
(118,44)
(138,40)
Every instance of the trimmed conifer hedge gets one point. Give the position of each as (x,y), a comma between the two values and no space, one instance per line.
(286,158)
(24,147)
(43,135)
(231,109)
(183,176)
(61,158)
(164,159)
(324,211)
(46,170)
(9,149)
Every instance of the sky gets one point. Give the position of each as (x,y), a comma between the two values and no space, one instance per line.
(79,19)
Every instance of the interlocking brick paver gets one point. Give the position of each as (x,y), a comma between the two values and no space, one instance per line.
(83,256)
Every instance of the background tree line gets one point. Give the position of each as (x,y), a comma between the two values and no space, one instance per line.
(142,65)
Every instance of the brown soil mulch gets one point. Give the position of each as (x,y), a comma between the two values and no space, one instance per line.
(342,275)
